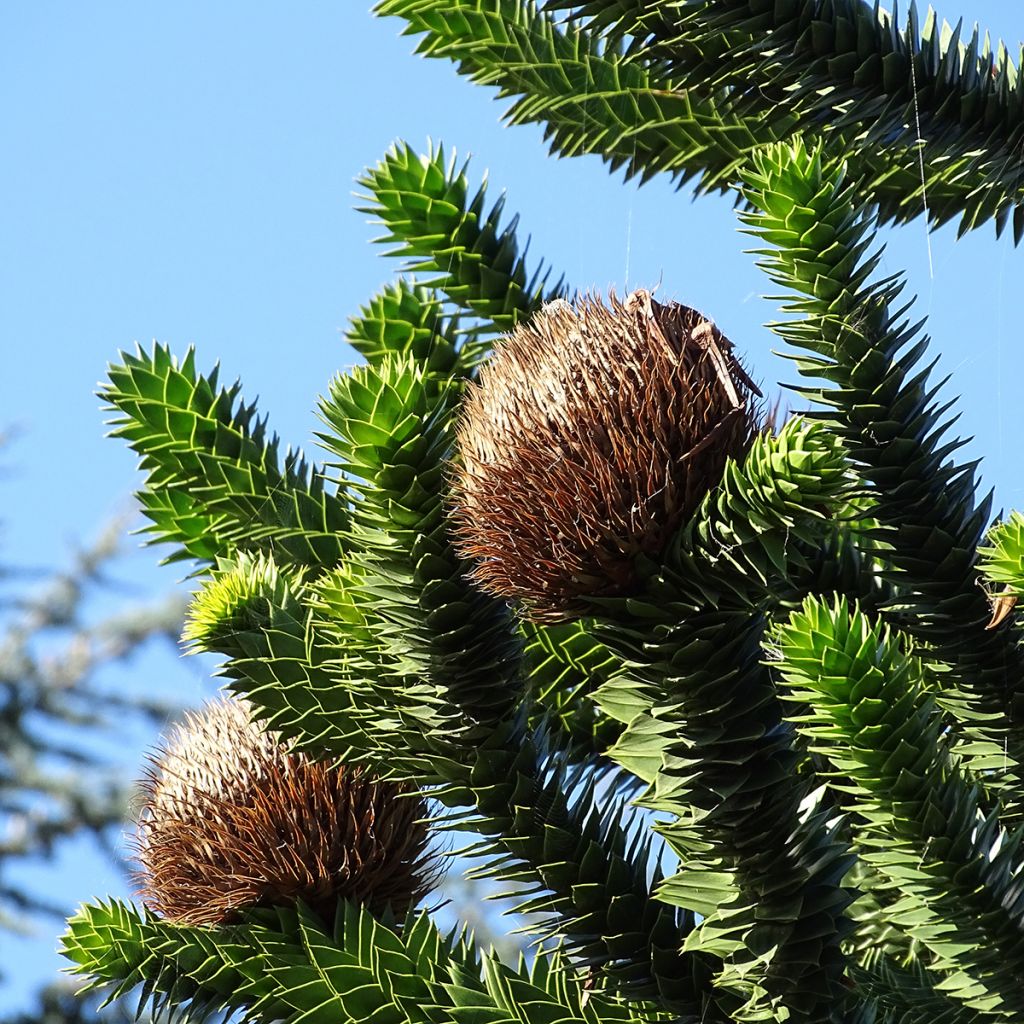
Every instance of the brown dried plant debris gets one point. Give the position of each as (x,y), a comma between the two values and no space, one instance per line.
(231,820)
(592,436)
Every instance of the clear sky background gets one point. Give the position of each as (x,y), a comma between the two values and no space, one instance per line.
(184,172)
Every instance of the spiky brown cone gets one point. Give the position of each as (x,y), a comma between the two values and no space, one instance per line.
(232,820)
(592,436)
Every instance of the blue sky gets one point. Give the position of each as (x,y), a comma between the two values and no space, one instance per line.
(184,172)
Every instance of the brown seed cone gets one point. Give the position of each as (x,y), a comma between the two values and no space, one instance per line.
(592,436)
(232,820)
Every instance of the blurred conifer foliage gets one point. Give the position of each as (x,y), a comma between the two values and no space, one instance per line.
(63,725)
(59,721)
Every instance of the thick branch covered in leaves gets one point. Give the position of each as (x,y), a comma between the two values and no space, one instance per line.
(590,98)
(289,967)
(848,67)
(431,216)
(706,731)
(408,319)
(707,83)
(851,334)
(214,480)
(866,707)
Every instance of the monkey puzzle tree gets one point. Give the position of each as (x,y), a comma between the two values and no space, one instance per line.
(534,586)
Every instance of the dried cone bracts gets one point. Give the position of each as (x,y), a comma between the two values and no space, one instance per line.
(232,820)
(593,434)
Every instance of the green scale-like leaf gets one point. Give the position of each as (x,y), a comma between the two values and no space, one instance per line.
(214,481)
(406,318)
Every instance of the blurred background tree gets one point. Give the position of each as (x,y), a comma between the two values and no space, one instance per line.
(62,720)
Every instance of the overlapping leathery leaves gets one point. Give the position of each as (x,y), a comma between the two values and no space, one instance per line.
(391,648)
(697,107)
(904,993)
(289,966)
(760,857)
(351,653)
(941,115)
(867,708)
(849,332)
(589,875)
(922,97)
(214,477)
(543,825)
(566,664)
(425,204)
(590,98)
(282,656)
(407,318)
(306,648)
